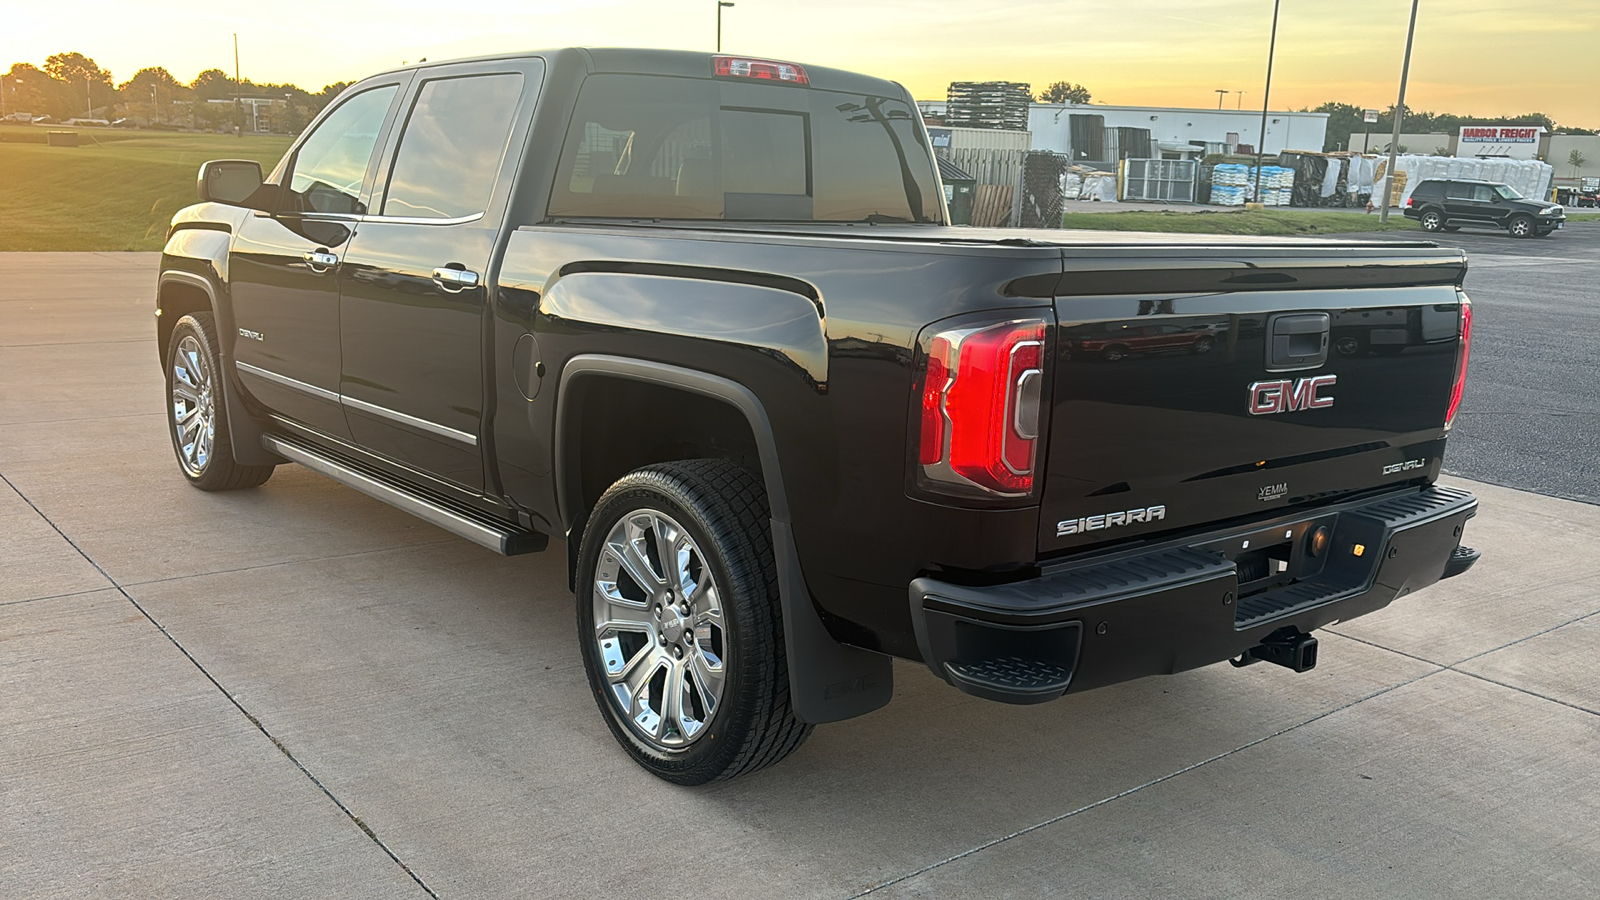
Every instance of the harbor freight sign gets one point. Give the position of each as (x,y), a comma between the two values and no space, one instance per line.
(1513,141)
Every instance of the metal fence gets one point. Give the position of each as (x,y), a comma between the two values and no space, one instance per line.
(1162,180)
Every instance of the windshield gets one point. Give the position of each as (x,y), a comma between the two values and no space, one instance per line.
(682,148)
(1507,192)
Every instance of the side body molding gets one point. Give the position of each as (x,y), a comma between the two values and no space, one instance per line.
(828,681)
(244,432)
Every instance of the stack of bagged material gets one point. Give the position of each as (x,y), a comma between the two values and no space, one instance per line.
(1277,184)
(1229,184)
(1529,177)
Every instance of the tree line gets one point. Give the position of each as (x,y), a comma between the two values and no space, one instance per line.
(71,85)
(1345,119)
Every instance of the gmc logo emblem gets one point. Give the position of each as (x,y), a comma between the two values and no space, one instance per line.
(1268,397)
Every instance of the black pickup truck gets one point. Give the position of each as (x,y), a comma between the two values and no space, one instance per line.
(702,318)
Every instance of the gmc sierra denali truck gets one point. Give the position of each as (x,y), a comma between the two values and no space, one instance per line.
(702,318)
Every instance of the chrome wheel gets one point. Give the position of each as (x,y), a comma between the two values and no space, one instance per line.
(659,629)
(1431,221)
(194,410)
(1521,227)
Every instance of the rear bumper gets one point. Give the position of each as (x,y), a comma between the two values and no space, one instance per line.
(1177,606)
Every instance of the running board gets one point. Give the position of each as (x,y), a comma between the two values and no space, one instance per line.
(475,526)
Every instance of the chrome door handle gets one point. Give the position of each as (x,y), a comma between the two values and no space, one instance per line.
(320,260)
(455,280)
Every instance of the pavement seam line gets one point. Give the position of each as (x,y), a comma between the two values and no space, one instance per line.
(354,819)
(1452,667)
(1137,788)
(291,562)
(58,596)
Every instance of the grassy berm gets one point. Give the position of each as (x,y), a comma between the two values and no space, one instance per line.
(116,191)
(1267,221)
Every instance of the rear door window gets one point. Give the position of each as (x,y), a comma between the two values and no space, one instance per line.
(1459,192)
(680,148)
(453,145)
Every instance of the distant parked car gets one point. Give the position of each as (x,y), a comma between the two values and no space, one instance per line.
(1121,340)
(1448,204)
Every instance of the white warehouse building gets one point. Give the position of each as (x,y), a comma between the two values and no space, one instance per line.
(1174,132)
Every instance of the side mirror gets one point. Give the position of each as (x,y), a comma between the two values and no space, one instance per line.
(230,181)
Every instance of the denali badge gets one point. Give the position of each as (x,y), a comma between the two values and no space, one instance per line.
(1268,397)
(252,335)
(1406,466)
(1110,520)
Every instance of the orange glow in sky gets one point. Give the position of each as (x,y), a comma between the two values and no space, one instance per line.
(1472,57)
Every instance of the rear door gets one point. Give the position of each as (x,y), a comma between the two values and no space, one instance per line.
(1306,390)
(284,265)
(413,304)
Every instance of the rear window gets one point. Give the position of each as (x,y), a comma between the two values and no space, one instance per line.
(681,148)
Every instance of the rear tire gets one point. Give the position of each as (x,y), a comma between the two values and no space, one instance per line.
(1521,226)
(197,415)
(679,622)
(1431,220)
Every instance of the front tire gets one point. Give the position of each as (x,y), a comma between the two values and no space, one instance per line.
(197,418)
(1521,226)
(679,622)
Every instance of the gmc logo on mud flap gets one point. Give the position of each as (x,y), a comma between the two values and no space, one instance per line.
(1268,397)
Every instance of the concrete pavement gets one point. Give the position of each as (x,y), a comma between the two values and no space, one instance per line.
(298,692)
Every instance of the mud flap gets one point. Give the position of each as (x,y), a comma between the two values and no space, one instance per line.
(244,432)
(828,681)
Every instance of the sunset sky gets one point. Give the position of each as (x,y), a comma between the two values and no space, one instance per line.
(1479,57)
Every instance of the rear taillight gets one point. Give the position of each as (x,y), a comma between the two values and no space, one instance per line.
(1411,201)
(980,409)
(1464,351)
(765,69)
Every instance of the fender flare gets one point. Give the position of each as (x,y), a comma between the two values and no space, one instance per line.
(828,681)
(244,432)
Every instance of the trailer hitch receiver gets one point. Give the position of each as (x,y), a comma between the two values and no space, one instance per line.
(1288,647)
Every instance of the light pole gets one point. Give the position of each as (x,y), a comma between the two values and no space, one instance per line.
(720,5)
(1399,113)
(1239,103)
(1219,93)
(1266,96)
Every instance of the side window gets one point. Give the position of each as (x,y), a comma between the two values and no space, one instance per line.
(1459,192)
(331,164)
(1483,193)
(454,141)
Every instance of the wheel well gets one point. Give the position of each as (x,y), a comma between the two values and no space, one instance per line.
(175,301)
(623,424)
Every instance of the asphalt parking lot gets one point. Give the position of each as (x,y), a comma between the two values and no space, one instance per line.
(299,692)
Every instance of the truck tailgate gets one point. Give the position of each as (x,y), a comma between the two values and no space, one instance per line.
(1286,383)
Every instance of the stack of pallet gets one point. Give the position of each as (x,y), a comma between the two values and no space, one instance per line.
(988,104)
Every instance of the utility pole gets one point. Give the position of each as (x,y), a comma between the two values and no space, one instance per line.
(1219,93)
(720,5)
(238,110)
(1239,104)
(1266,97)
(88,100)
(1399,113)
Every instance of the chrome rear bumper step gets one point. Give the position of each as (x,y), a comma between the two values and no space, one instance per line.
(475,526)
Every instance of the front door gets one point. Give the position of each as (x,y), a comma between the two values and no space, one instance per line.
(284,265)
(414,284)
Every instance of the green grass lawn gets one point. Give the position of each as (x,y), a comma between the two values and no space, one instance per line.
(1268,221)
(117,191)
